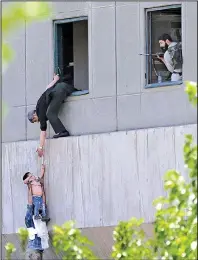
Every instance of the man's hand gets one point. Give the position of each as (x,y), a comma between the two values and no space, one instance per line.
(56,77)
(160,58)
(43,167)
(40,151)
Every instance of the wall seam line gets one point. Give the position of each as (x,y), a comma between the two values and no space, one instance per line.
(25,83)
(116,67)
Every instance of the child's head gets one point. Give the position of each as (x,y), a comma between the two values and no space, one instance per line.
(26,175)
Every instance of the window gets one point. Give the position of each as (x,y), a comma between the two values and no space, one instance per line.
(71,52)
(159,21)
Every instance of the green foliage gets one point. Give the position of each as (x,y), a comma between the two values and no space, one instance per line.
(191,90)
(69,241)
(4,109)
(23,236)
(130,241)
(10,249)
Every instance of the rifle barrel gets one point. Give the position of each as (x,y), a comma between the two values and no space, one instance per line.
(152,54)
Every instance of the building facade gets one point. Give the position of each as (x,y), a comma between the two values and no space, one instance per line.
(103,40)
(128,128)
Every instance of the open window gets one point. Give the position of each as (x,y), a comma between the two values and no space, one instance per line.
(71,52)
(159,21)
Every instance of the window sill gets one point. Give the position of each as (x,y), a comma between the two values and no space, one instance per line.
(80,93)
(164,84)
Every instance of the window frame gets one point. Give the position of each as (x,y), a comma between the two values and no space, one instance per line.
(148,28)
(56,44)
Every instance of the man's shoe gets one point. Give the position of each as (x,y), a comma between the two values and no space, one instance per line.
(63,134)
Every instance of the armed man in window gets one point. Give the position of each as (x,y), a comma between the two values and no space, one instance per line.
(172,56)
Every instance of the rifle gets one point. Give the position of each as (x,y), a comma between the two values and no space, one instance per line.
(153,57)
(160,54)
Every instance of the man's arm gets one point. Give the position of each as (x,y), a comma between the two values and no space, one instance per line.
(40,149)
(167,61)
(56,79)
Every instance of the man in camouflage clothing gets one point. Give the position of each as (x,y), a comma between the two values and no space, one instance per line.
(172,56)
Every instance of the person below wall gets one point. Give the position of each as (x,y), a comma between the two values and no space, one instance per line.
(48,107)
(34,246)
(172,56)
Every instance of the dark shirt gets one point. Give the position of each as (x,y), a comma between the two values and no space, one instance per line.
(35,243)
(41,108)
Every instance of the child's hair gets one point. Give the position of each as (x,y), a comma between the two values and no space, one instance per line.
(26,175)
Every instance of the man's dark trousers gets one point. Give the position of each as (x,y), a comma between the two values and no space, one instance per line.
(59,93)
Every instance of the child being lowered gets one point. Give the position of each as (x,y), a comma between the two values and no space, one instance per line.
(36,188)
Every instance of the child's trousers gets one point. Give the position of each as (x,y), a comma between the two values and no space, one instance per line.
(38,205)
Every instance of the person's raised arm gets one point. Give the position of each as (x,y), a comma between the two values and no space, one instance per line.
(42,171)
(54,81)
(40,149)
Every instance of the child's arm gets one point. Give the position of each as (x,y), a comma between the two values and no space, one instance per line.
(27,180)
(42,171)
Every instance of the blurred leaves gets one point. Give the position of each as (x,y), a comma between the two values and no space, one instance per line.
(23,236)
(10,249)
(191,90)
(4,109)
(15,14)
(69,241)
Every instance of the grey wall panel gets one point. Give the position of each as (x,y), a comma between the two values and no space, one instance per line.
(153,162)
(88,178)
(13,80)
(165,108)
(68,7)
(89,116)
(80,36)
(129,112)
(102,4)
(190,39)
(127,46)
(13,126)
(180,133)
(103,52)
(37,60)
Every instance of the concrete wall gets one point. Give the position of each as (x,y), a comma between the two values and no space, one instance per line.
(97,180)
(117,99)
